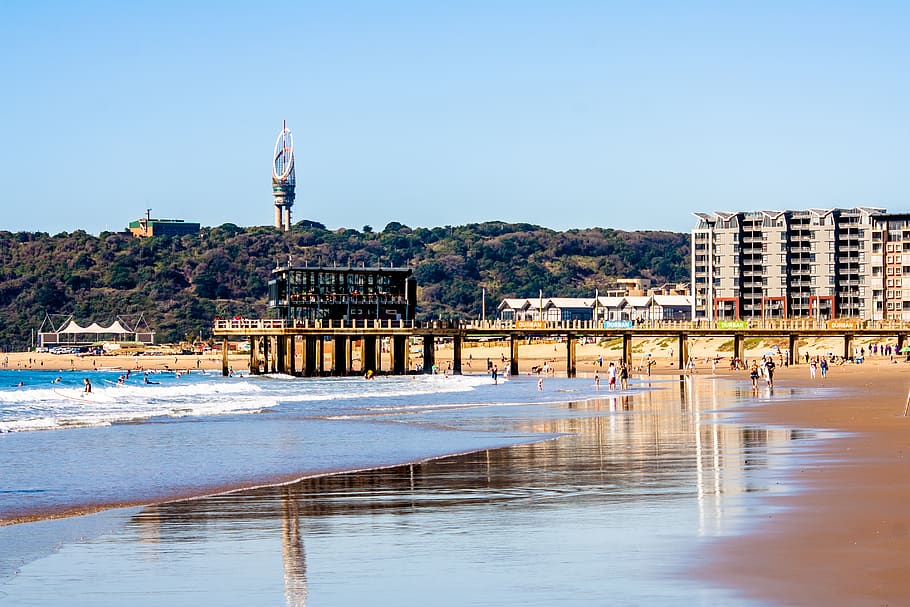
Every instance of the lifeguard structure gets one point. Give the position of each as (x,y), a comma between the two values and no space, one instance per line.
(283,180)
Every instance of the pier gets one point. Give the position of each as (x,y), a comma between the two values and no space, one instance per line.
(298,347)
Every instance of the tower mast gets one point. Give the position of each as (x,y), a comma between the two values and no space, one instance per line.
(283,179)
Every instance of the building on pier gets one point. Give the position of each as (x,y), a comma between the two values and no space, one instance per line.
(350,294)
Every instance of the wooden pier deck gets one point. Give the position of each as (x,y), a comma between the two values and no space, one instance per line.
(298,348)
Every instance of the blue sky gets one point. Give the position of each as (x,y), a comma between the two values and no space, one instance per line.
(566,114)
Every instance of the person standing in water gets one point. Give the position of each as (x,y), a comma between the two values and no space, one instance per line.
(88,386)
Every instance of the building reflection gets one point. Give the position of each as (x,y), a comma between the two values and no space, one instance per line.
(667,442)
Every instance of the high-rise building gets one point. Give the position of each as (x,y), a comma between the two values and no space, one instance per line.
(890,262)
(283,179)
(790,264)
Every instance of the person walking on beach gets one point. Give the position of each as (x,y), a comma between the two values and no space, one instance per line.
(623,376)
(596,381)
(611,377)
(823,365)
(690,367)
(495,373)
(540,384)
(812,367)
(769,371)
(753,375)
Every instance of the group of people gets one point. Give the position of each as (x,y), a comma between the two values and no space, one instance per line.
(763,370)
(614,372)
(819,363)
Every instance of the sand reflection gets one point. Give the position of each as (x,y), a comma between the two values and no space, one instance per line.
(648,457)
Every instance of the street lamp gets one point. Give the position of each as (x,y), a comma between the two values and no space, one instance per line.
(483,304)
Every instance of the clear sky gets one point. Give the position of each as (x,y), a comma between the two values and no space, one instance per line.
(567,114)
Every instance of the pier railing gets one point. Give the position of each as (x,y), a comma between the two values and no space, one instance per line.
(801,324)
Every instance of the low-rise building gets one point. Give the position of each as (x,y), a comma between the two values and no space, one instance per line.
(148,227)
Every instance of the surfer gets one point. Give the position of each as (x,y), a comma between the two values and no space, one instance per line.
(88,386)
(58,380)
(147,380)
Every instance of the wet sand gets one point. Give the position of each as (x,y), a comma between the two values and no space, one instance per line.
(844,539)
(607,513)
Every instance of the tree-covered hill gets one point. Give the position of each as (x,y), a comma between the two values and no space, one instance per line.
(182,283)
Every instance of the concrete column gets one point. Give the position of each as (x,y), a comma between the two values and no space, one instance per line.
(429,353)
(281,354)
(848,345)
(570,355)
(320,354)
(378,355)
(627,348)
(292,355)
(340,364)
(368,354)
(399,354)
(254,356)
(794,349)
(683,347)
(225,365)
(265,353)
(456,355)
(513,354)
(309,356)
(738,346)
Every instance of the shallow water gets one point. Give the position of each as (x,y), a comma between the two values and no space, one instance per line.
(611,508)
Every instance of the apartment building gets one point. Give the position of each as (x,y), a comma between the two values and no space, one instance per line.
(890,262)
(790,264)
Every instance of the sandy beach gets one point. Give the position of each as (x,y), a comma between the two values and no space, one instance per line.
(844,539)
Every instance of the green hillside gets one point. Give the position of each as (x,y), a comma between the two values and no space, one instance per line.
(182,283)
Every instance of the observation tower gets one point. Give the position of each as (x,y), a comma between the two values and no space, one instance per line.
(283,180)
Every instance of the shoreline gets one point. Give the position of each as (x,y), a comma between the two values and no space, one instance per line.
(842,538)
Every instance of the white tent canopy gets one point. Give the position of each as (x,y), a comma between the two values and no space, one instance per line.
(72,327)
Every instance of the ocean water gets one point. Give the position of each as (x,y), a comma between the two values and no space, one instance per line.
(415,490)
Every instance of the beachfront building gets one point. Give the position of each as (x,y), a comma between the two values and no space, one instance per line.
(555,309)
(635,308)
(318,293)
(785,264)
(889,293)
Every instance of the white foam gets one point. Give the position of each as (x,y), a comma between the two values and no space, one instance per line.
(54,408)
